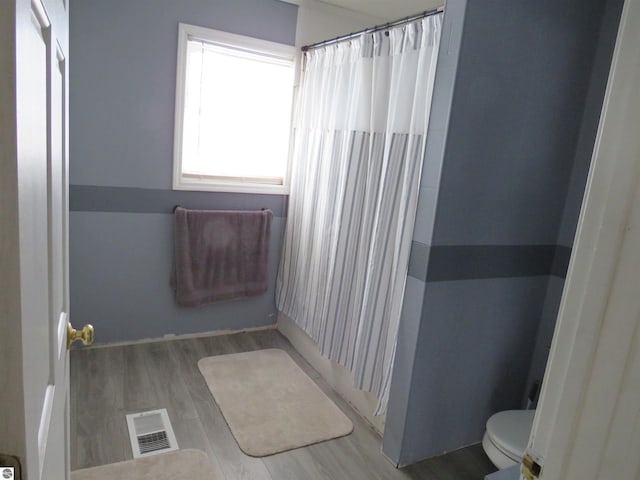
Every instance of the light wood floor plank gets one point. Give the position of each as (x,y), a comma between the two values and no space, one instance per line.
(230,459)
(99,440)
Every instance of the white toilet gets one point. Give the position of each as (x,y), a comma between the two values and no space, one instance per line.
(506,437)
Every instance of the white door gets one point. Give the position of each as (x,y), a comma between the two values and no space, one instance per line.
(587,424)
(34,295)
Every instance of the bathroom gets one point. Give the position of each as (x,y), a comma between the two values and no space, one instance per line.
(492,239)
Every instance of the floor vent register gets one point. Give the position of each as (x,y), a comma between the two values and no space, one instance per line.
(151,433)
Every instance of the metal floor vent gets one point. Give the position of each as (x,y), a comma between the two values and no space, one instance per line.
(151,433)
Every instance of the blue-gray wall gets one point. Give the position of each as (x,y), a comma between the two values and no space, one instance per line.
(122,94)
(573,203)
(509,186)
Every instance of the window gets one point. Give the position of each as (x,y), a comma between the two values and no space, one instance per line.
(233,112)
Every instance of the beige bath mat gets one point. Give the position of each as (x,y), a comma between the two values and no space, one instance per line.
(177,465)
(269,403)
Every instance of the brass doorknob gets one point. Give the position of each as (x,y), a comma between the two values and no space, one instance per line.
(86,334)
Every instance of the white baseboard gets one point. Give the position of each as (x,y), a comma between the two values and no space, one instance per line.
(171,336)
(338,377)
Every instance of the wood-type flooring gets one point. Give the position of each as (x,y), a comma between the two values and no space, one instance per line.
(109,382)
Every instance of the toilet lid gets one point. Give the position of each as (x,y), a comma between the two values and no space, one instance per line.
(510,430)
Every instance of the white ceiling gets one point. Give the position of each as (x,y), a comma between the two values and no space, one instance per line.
(388,9)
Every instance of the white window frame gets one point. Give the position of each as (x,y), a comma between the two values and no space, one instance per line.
(181,181)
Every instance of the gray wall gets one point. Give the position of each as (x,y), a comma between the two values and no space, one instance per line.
(590,120)
(523,76)
(122,79)
(577,183)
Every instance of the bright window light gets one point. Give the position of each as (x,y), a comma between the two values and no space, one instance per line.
(233,112)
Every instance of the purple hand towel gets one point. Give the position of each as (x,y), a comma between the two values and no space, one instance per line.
(220,255)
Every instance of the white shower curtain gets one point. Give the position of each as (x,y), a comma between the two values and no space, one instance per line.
(359,142)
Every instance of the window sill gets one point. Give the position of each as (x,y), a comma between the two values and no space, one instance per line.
(195,186)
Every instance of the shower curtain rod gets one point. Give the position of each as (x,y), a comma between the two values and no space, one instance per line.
(377,28)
